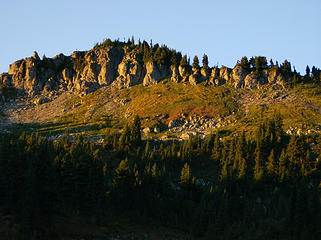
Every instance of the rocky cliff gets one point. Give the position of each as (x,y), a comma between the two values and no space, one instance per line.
(121,67)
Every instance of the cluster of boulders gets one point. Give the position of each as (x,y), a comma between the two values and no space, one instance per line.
(299,131)
(117,66)
(201,125)
(186,127)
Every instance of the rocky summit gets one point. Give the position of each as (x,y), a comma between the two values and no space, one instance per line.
(122,66)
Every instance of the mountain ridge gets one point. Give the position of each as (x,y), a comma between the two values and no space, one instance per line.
(162,87)
(128,64)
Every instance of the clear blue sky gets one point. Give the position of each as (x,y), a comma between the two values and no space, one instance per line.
(224,30)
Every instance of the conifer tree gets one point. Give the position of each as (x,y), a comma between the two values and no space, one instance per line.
(146,154)
(242,168)
(224,171)
(183,63)
(245,63)
(205,61)
(217,148)
(154,170)
(271,63)
(259,167)
(196,64)
(125,137)
(123,181)
(271,165)
(157,58)
(240,156)
(185,177)
(136,137)
(282,166)
(176,58)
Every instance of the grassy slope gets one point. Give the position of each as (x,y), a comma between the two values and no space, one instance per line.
(300,106)
(176,98)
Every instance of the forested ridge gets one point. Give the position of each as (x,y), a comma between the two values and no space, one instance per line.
(227,186)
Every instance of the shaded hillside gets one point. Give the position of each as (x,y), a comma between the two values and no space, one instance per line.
(231,187)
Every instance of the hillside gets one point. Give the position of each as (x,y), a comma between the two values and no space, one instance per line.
(107,86)
(81,156)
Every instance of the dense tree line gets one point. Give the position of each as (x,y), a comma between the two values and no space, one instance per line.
(259,63)
(233,187)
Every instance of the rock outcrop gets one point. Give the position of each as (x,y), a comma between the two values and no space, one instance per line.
(155,73)
(183,73)
(175,76)
(205,72)
(121,67)
(214,77)
(195,77)
(130,72)
(224,73)
(238,75)
(253,80)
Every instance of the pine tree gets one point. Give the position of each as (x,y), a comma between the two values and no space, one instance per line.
(224,171)
(259,167)
(307,71)
(271,164)
(296,152)
(147,149)
(157,58)
(205,61)
(217,148)
(176,58)
(136,132)
(123,181)
(125,137)
(183,63)
(240,156)
(286,68)
(196,64)
(245,63)
(271,63)
(185,177)
(282,166)
(242,168)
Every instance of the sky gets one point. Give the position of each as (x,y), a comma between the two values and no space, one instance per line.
(225,30)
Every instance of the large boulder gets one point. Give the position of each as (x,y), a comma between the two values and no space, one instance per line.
(24,75)
(224,73)
(183,72)
(109,61)
(175,76)
(253,80)
(155,73)
(272,74)
(130,72)
(238,74)
(214,77)
(101,65)
(205,73)
(195,77)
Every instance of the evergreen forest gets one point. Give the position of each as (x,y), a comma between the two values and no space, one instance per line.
(221,187)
